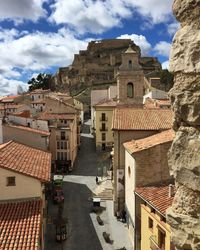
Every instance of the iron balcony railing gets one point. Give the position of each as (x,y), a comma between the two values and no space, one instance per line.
(103,119)
(104,129)
(154,243)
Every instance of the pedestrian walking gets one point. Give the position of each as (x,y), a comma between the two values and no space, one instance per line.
(97,179)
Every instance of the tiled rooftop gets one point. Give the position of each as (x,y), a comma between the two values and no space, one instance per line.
(39,101)
(50,116)
(28,129)
(26,160)
(148,142)
(142,119)
(9,98)
(158,197)
(20,224)
(40,91)
(106,103)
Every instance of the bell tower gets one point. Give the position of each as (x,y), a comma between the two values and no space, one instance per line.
(130,79)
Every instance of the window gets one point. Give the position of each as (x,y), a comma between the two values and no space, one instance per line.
(130,64)
(103,116)
(130,90)
(11,181)
(129,171)
(103,126)
(62,156)
(103,136)
(150,223)
(161,238)
(62,135)
(58,145)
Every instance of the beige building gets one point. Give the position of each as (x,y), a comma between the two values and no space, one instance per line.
(39,94)
(23,174)
(64,140)
(152,202)
(146,163)
(103,124)
(98,96)
(23,171)
(130,123)
(31,137)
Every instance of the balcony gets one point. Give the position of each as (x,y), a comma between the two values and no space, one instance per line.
(103,119)
(154,243)
(104,129)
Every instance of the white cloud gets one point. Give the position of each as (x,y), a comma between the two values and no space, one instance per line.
(97,16)
(165,65)
(162,48)
(19,10)
(38,51)
(89,16)
(139,40)
(9,87)
(156,11)
(172,28)
(23,55)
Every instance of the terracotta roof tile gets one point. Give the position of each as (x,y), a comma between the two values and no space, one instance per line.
(40,91)
(20,224)
(26,160)
(158,197)
(106,103)
(39,101)
(37,131)
(142,119)
(150,141)
(50,116)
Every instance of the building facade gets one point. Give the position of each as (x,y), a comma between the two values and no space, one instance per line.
(130,123)
(103,124)
(146,163)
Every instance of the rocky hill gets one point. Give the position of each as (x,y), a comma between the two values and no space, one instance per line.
(97,65)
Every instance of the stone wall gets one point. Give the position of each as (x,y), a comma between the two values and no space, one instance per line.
(184,156)
(97,64)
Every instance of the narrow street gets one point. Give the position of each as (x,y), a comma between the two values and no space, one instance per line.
(83,230)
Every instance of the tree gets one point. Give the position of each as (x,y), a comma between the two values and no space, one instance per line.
(167,79)
(42,81)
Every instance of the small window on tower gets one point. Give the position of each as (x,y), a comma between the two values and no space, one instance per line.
(130,64)
(130,90)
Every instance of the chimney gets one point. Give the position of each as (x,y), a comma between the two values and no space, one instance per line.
(171,190)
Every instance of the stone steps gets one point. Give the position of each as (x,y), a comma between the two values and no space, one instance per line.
(105,194)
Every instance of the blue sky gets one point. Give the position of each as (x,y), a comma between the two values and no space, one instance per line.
(42,35)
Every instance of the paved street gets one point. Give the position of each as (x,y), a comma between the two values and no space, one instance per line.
(83,229)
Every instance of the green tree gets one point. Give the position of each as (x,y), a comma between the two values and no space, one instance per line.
(42,81)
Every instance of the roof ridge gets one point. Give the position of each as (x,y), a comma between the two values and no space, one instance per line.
(19,126)
(5,144)
(13,141)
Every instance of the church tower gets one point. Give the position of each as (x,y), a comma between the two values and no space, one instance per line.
(130,79)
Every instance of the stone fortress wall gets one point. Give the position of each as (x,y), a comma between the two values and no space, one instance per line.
(98,64)
(184,155)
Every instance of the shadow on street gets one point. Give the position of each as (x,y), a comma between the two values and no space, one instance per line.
(77,209)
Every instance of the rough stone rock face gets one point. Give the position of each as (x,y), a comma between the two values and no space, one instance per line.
(187,12)
(184,155)
(98,64)
(186,50)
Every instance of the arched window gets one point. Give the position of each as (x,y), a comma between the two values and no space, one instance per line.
(130,90)
(130,64)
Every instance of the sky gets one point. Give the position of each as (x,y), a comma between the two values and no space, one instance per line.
(39,36)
